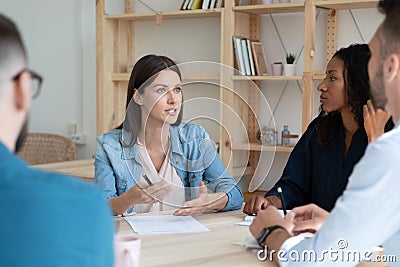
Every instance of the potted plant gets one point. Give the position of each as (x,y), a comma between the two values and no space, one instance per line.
(289,67)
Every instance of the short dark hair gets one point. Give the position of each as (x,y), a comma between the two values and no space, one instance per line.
(144,73)
(388,33)
(12,49)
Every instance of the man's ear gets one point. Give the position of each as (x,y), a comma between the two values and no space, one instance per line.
(392,67)
(137,97)
(22,92)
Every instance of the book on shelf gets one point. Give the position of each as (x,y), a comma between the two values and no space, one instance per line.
(191,4)
(213,3)
(251,60)
(219,4)
(185,4)
(235,55)
(244,60)
(246,57)
(189,7)
(201,4)
(206,4)
(196,4)
(238,51)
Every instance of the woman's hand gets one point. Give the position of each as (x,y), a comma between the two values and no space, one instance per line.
(374,121)
(255,204)
(150,194)
(258,203)
(204,201)
(138,195)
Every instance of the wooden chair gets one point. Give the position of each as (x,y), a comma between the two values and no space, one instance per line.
(41,148)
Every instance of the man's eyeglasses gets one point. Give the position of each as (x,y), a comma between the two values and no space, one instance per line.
(36,81)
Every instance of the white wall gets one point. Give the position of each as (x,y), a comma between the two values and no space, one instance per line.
(60,38)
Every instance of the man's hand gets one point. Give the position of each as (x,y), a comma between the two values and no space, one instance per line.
(258,203)
(203,202)
(308,218)
(269,217)
(374,121)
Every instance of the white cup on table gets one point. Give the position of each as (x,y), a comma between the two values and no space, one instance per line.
(126,251)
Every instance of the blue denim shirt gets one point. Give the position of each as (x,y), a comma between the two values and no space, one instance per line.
(192,154)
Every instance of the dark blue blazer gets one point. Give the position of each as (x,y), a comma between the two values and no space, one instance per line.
(319,175)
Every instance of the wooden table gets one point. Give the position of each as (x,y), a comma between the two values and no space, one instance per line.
(214,248)
(83,169)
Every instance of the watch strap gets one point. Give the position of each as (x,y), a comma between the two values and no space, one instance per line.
(266,232)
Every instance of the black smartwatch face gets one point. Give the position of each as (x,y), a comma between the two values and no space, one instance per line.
(263,235)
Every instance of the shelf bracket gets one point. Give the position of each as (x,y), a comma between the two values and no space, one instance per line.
(159,17)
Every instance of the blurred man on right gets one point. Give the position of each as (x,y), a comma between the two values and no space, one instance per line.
(367,214)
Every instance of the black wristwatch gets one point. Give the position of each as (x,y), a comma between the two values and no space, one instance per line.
(266,231)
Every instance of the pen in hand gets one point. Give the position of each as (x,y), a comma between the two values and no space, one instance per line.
(282,200)
(147,180)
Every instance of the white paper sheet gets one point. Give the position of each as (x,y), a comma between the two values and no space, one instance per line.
(249,219)
(165,224)
(249,243)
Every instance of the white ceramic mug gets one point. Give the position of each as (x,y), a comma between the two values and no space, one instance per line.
(126,251)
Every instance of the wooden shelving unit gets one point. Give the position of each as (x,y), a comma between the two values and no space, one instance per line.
(244,21)
(270,9)
(186,14)
(267,78)
(258,147)
(346,4)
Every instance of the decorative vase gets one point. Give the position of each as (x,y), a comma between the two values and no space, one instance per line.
(277,69)
(289,69)
(269,136)
(285,133)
